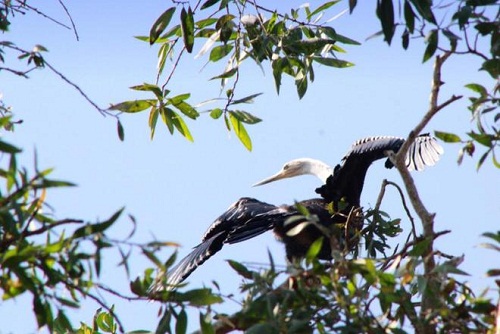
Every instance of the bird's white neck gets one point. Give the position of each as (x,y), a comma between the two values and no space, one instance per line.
(318,168)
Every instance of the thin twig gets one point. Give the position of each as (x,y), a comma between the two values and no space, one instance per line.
(70,19)
(103,112)
(24,4)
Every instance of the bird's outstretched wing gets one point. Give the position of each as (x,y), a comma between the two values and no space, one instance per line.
(243,220)
(348,179)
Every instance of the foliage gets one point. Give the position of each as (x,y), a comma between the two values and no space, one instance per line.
(58,261)
(55,261)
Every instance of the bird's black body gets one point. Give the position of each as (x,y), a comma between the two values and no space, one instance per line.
(250,217)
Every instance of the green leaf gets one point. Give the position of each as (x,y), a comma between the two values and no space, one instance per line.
(160,24)
(424,7)
(149,87)
(447,137)
(332,62)
(187,27)
(8,148)
(245,117)
(90,229)
(216,113)
(166,116)
(226,74)
(153,119)
(432,43)
(199,297)
(314,249)
(119,128)
(179,102)
(492,66)
(322,8)
(483,139)
(301,84)
(181,126)
(133,106)
(209,3)
(240,131)
(477,88)
(241,269)
(385,12)
(409,17)
(181,324)
(246,99)
(220,52)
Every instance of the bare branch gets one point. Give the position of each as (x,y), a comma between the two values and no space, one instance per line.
(103,112)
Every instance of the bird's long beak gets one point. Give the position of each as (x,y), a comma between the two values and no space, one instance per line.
(278,176)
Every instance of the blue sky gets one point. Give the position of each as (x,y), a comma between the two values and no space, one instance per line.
(175,188)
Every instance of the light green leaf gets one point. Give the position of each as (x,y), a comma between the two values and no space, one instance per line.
(133,106)
(321,8)
(150,88)
(240,131)
(447,137)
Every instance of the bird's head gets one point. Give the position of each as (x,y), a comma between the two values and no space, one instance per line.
(298,167)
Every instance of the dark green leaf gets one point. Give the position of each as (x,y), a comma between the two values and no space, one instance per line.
(90,229)
(352,5)
(246,99)
(161,23)
(492,66)
(133,106)
(241,269)
(245,117)
(240,131)
(432,43)
(332,62)
(225,75)
(405,39)
(301,84)
(119,128)
(164,324)
(447,137)
(330,32)
(166,116)
(8,148)
(208,4)
(385,13)
(187,26)
(482,159)
(424,7)
(181,324)
(409,17)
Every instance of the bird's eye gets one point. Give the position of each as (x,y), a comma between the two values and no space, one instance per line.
(285,167)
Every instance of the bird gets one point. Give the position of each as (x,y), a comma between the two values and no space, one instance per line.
(249,217)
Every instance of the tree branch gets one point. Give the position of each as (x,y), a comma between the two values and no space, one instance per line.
(429,299)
